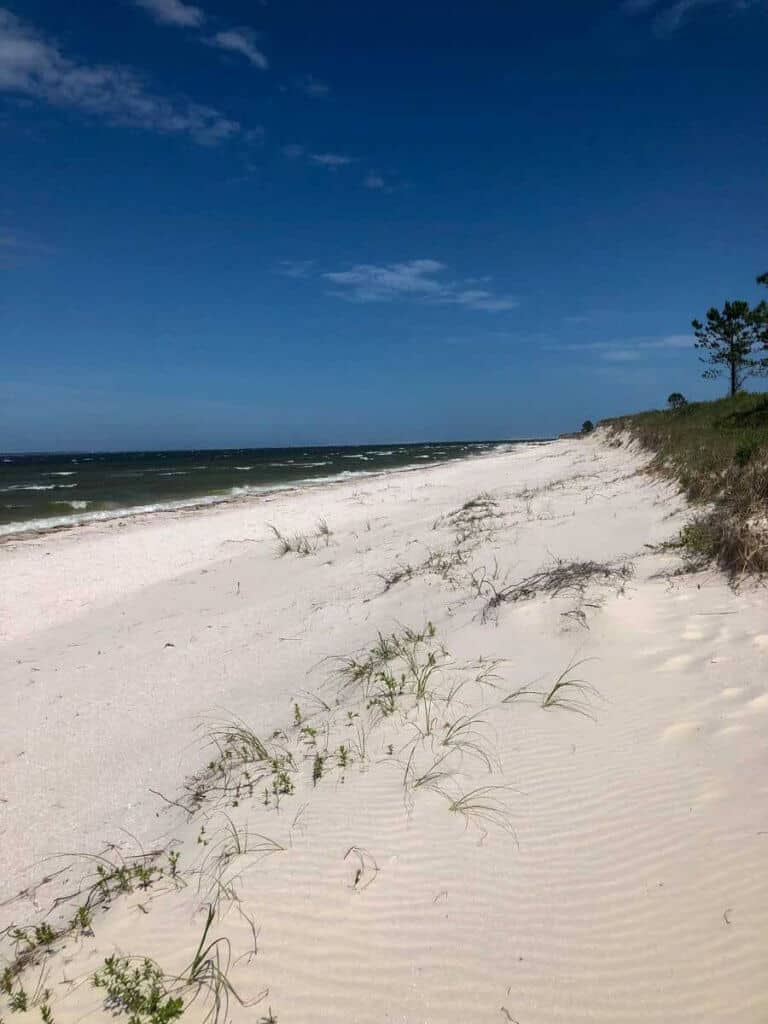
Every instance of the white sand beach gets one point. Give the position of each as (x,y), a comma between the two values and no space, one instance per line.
(447,839)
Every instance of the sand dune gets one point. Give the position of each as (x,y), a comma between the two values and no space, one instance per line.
(541,798)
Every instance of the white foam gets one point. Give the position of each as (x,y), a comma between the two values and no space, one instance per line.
(29,487)
(83,518)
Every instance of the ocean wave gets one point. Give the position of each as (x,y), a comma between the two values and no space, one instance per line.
(242,469)
(62,472)
(37,487)
(29,487)
(363,457)
(82,515)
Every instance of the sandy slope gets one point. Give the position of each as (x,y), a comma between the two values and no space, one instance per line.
(613,871)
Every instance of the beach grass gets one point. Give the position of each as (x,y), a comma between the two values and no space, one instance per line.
(718,453)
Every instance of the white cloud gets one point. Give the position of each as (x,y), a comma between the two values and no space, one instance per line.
(374,181)
(330,160)
(242,41)
(184,15)
(631,349)
(366,282)
(173,12)
(478,298)
(292,151)
(33,67)
(669,17)
(422,280)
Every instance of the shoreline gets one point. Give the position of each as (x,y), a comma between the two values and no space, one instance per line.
(23,529)
(619,821)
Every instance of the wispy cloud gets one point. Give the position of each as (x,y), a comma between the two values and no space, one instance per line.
(631,349)
(296,268)
(374,181)
(173,12)
(242,41)
(669,17)
(330,160)
(34,67)
(313,87)
(422,280)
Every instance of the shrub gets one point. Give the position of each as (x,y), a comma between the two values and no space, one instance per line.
(677,400)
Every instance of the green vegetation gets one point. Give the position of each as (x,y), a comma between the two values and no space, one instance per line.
(732,341)
(301,543)
(140,992)
(718,451)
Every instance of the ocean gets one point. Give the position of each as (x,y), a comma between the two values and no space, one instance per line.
(50,491)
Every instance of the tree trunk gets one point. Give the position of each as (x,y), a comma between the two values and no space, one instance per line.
(734,382)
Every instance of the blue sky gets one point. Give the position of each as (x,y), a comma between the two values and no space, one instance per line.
(284,222)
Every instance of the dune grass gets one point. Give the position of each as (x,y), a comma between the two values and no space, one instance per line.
(718,452)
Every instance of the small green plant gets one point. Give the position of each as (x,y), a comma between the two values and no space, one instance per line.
(18,1001)
(46,1013)
(138,991)
(343,756)
(587,427)
(297,718)
(308,735)
(173,863)
(317,769)
(699,540)
(44,935)
(83,920)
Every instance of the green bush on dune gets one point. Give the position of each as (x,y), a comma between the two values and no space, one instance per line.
(719,453)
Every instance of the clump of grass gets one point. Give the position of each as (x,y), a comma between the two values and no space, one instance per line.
(462,735)
(140,990)
(570,693)
(297,543)
(301,544)
(567,692)
(242,761)
(483,806)
(718,453)
(563,577)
